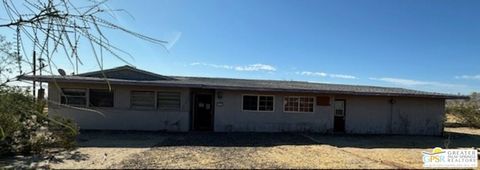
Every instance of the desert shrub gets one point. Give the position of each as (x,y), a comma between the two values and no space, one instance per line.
(468,112)
(65,133)
(26,127)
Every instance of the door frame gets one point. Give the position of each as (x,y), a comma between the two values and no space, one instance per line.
(193,97)
(344,115)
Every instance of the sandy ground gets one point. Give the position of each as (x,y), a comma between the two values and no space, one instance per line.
(97,150)
(256,150)
(243,150)
(104,149)
(297,150)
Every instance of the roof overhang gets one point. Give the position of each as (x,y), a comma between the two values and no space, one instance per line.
(179,83)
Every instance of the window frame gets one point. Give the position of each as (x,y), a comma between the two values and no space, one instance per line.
(89,95)
(86,96)
(179,100)
(155,95)
(258,103)
(298,105)
(140,107)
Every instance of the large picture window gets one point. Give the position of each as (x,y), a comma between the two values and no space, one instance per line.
(169,101)
(74,97)
(142,100)
(298,104)
(101,98)
(257,103)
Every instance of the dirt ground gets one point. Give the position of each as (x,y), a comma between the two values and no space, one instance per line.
(255,150)
(97,150)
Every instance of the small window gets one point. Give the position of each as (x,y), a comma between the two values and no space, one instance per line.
(169,101)
(257,103)
(142,100)
(250,102)
(323,101)
(298,104)
(74,97)
(265,103)
(291,104)
(101,98)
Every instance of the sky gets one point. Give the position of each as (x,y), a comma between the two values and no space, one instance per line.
(429,45)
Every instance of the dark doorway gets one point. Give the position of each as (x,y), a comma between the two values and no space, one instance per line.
(203,112)
(339,116)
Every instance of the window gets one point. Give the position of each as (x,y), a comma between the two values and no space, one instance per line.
(323,101)
(100,98)
(142,99)
(257,103)
(298,104)
(265,103)
(291,104)
(74,97)
(168,101)
(250,102)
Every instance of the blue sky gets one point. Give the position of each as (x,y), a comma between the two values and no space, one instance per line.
(431,45)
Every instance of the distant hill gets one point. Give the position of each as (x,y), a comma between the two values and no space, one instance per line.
(474,98)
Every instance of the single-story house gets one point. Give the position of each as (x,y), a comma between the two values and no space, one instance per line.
(127,98)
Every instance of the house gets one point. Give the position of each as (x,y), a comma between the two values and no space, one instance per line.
(127,98)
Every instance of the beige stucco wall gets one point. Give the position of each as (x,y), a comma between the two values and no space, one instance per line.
(364,115)
(121,116)
(376,115)
(418,116)
(231,117)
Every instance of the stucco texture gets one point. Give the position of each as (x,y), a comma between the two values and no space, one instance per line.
(121,116)
(231,117)
(405,115)
(364,114)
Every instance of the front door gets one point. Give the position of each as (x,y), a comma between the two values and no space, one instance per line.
(203,112)
(339,116)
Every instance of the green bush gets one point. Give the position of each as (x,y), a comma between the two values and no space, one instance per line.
(468,112)
(26,128)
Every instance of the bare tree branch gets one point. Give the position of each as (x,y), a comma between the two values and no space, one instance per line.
(55,28)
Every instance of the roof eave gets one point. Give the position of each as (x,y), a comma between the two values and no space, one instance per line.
(173,84)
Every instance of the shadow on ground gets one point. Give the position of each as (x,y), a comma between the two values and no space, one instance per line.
(358,141)
(163,139)
(235,139)
(293,150)
(40,161)
(124,139)
(206,149)
(449,140)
